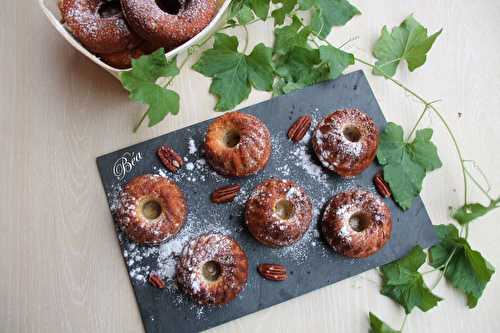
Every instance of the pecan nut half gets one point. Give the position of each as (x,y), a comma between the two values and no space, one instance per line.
(225,194)
(273,272)
(170,158)
(155,280)
(380,184)
(299,128)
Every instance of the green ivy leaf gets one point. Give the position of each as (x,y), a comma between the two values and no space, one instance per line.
(466,270)
(281,86)
(260,8)
(300,67)
(245,15)
(409,41)
(241,8)
(297,65)
(404,284)
(405,164)
(234,8)
(161,101)
(233,74)
(470,212)
(378,326)
(306,4)
(260,69)
(423,151)
(290,36)
(149,68)
(285,9)
(141,83)
(336,59)
(329,13)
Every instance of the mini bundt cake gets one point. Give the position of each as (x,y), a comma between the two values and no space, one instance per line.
(99,25)
(346,142)
(357,223)
(213,269)
(151,210)
(123,59)
(169,22)
(237,144)
(278,212)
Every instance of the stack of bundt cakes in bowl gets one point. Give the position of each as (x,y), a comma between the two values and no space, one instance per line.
(117,31)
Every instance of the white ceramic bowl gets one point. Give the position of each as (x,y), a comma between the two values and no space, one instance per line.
(49,7)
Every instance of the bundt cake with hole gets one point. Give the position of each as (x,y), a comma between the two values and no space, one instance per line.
(278,212)
(169,22)
(357,223)
(99,25)
(346,142)
(237,144)
(151,209)
(212,269)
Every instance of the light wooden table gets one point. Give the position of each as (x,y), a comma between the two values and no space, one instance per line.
(60,266)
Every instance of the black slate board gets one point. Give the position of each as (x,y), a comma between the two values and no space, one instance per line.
(311,263)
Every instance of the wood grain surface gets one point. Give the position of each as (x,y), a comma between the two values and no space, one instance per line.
(60,266)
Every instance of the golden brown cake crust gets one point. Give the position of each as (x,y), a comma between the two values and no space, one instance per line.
(248,156)
(373,223)
(170,30)
(99,34)
(346,142)
(232,265)
(270,227)
(132,216)
(122,60)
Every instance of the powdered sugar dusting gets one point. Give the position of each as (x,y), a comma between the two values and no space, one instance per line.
(193,16)
(99,34)
(192,146)
(289,161)
(305,161)
(345,139)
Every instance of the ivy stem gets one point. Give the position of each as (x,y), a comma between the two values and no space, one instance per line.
(143,117)
(426,108)
(425,102)
(444,268)
(433,270)
(457,148)
(136,128)
(180,68)
(315,43)
(485,178)
(436,111)
(246,39)
(350,40)
(479,186)
(466,231)
(404,322)
(417,123)
(237,24)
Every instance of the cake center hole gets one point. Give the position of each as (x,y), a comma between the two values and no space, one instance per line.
(351,133)
(169,6)
(359,222)
(284,209)
(211,270)
(231,138)
(151,209)
(109,8)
